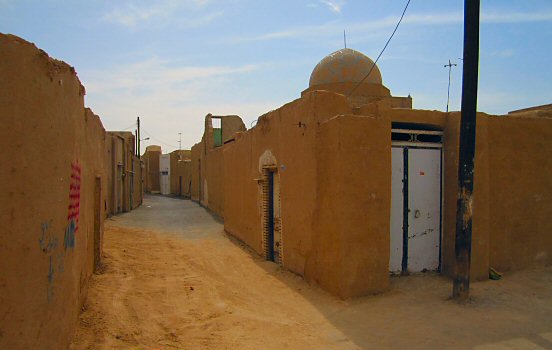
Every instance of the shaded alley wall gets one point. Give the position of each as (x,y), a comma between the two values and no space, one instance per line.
(181,173)
(52,187)
(150,159)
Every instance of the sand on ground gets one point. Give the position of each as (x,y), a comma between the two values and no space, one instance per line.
(187,285)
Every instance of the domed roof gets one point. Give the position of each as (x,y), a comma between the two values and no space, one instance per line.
(345,66)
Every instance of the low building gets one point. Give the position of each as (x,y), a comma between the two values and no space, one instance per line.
(150,159)
(165,174)
(348,185)
(181,173)
(124,170)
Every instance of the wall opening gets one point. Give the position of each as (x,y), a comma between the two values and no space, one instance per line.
(272,238)
(217,131)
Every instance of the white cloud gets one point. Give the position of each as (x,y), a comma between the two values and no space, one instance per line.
(170,97)
(377,27)
(518,17)
(188,12)
(154,72)
(334,5)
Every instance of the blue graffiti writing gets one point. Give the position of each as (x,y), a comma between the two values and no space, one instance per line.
(46,242)
(69,241)
(50,289)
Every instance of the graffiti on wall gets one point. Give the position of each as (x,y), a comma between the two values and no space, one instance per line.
(49,243)
(74,206)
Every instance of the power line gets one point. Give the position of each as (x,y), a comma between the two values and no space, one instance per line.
(381,53)
(129,127)
(156,139)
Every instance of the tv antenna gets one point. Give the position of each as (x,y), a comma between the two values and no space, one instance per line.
(449,65)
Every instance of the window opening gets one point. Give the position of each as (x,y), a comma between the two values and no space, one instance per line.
(217,131)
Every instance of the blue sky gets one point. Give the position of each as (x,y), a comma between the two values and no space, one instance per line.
(172,62)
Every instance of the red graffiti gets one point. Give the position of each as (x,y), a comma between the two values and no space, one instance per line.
(74,195)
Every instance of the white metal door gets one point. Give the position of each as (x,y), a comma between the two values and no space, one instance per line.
(422,216)
(165,173)
(424,209)
(165,184)
(397,203)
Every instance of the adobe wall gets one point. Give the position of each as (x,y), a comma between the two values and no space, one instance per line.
(363,94)
(124,173)
(114,149)
(181,168)
(286,138)
(109,162)
(230,125)
(207,171)
(521,191)
(151,161)
(350,250)
(196,152)
(52,153)
(212,181)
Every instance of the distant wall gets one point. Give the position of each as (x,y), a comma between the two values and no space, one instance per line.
(181,167)
(124,173)
(52,188)
(151,163)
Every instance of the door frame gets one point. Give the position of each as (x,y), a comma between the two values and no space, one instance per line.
(268,223)
(413,142)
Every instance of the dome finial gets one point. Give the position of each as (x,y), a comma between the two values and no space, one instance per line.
(344,38)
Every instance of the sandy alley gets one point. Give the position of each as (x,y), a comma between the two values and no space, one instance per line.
(186,285)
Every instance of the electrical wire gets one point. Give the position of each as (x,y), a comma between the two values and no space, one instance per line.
(381,53)
(129,127)
(156,139)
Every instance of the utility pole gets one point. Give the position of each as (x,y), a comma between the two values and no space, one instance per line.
(462,250)
(179,146)
(136,143)
(449,65)
(138,125)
